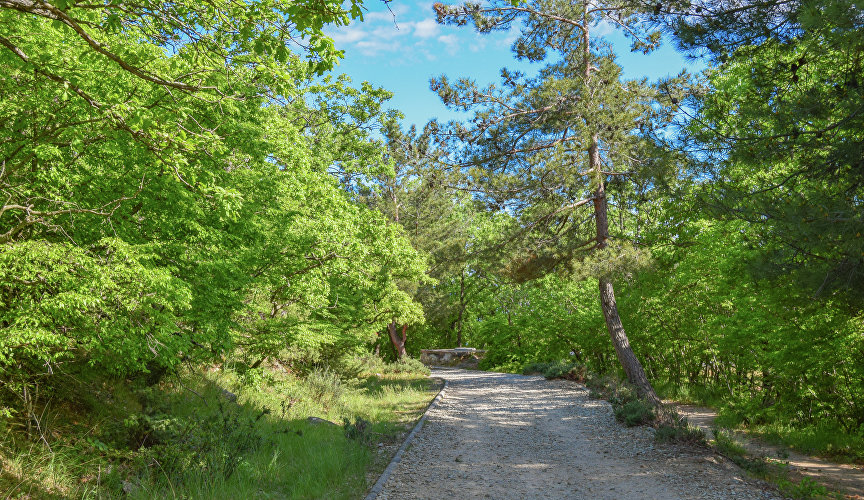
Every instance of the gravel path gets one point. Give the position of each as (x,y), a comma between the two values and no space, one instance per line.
(503,436)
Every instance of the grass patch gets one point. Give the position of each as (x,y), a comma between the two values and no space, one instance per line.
(824,439)
(827,441)
(222,433)
(726,444)
(805,489)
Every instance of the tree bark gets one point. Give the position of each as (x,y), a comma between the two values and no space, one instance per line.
(397,340)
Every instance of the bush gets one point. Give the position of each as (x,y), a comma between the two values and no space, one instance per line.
(804,490)
(727,446)
(557,369)
(370,364)
(634,412)
(357,430)
(675,428)
(216,442)
(626,405)
(324,386)
(406,365)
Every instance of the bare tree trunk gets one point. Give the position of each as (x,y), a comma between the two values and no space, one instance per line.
(397,340)
(378,345)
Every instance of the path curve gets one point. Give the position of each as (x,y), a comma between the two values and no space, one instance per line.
(504,436)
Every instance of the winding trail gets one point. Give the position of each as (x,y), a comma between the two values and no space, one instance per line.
(504,436)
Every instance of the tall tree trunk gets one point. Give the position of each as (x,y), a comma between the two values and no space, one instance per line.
(397,340)
(629,361)
(461,307)
(632,366)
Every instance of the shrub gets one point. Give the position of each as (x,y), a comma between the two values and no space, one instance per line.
(674,428)
(804,490)
(557,369)
(358,429)
(406,365)
(214,442)
(634,412)
(324,386)
(726,445)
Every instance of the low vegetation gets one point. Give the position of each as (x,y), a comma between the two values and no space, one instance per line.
(224,432)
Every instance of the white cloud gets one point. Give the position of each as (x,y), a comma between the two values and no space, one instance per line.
(426,28)
(390,15)
(409,32)
(376,47)
(348,34)
(602,28)
(451,42)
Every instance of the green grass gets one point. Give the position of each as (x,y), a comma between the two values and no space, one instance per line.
(185,439)
(726,444)
(826,441)
(690,394)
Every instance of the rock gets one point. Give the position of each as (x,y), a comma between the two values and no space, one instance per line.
(128,487)
(319,421)
(230,396)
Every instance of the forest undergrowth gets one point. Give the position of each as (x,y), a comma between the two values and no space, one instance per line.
(221,432)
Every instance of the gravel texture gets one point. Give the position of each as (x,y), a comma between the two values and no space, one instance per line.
(504,436)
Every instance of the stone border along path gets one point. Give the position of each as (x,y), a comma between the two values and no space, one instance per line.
(504,436)
(846,478)
(379,484)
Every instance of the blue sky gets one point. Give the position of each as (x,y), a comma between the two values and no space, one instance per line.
(401,50)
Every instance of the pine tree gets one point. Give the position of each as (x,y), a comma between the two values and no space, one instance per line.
(575,137)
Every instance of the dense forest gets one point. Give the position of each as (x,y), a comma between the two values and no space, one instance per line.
(186,187)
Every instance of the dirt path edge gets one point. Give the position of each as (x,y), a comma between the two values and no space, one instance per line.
(844,478)
(379,484)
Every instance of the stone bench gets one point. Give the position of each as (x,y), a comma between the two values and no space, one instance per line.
(462,357)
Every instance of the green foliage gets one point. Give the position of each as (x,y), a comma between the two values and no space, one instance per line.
(557,369)
(214,443)
(369,364)
(358,429)
(779,129)
(805,489)
(407,366)
(633,412)
(142,226)
(265,35)
(52,291)
(727,445)
(324,386)
(678,430)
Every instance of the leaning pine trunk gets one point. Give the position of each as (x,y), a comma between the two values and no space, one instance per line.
(397,340)
(632,366)
(629,361)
